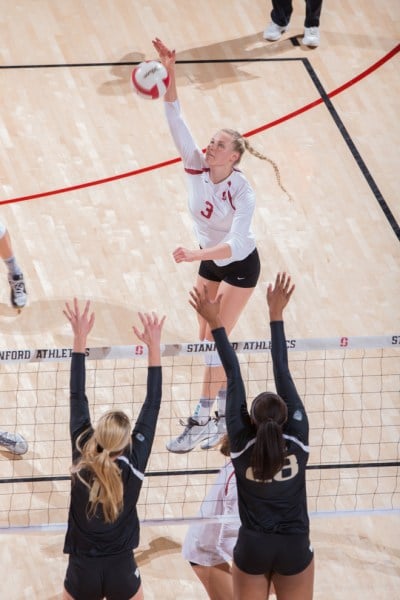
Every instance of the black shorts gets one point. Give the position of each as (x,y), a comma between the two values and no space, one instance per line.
(241,273)
(259,553)
(114,577)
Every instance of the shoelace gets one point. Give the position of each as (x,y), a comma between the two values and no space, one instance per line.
(189,423)
(184,432)
(7,440)
(18,287)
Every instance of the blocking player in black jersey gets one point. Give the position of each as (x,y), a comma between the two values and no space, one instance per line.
(107,474)
(269,451)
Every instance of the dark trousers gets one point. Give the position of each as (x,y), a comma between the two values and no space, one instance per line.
(282,10)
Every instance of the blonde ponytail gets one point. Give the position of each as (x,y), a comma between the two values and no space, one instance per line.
(240,144)
(110,438)
(257,154)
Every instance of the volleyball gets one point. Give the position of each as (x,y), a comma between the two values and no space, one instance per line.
(150,79)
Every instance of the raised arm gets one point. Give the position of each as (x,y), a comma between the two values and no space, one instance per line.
(151,336)
(81,324)
(145,427)
(278,296)
(167,57)
(191,154)
(238,419)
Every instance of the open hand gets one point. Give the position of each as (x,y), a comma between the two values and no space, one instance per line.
(208,309)
(166,56)
(279,295)
(81,323)
(152,327)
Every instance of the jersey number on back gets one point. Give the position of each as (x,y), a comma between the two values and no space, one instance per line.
(288,471)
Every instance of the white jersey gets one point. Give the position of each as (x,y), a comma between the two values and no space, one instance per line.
(221,212)
(211,544)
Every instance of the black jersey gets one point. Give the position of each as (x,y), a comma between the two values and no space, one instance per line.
(94,537)
(279,505)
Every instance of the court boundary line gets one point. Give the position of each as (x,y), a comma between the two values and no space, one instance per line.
(353,149)
(324,98)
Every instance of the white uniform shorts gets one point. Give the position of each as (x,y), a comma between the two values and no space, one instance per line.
(211,544)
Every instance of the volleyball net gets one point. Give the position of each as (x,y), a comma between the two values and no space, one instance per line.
(350,387)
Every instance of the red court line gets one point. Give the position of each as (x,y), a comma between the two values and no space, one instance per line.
(167,163)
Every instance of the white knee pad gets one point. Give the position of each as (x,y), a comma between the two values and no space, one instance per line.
(3,230)
(212,359)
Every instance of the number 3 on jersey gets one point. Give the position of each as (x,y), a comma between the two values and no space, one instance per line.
(208,210)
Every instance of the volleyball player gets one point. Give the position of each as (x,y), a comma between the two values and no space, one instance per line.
(269,451)
(109,461)
(12,442)
(15,275)
(209,546)
(221,203)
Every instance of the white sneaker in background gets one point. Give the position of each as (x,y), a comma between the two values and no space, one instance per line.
(193,434)
(13,442)
(212,441)
(18,290)
(311,36)
(273,32)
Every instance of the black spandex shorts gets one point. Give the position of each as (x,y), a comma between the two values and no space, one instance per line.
(114,577)
(258,553)
(241,273)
